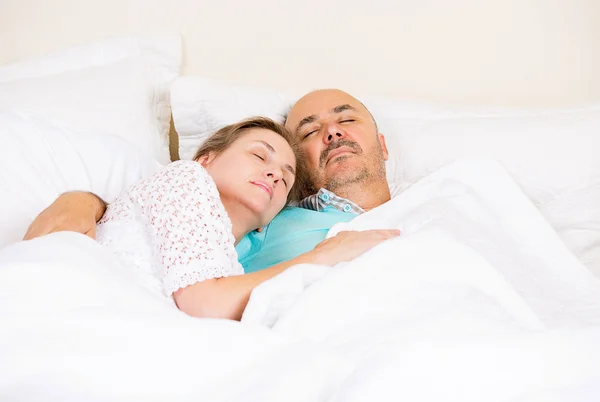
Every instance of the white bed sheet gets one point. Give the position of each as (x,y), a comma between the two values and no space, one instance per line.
(478,300)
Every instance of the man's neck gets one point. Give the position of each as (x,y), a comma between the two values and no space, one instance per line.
(366,196)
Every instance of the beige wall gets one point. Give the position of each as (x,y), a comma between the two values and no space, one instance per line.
(505,52)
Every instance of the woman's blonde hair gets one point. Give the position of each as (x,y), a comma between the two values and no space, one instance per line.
(224,137)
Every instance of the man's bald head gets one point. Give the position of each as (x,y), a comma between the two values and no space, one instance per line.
(340,138)
(329,92)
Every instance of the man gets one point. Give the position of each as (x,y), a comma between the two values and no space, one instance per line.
(346,158)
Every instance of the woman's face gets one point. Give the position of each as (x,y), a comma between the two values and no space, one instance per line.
(254,174)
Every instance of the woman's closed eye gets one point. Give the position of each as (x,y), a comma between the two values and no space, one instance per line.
(260,157)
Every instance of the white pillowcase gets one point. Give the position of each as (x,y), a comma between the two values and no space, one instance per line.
(552,155)
(119,86)
(201,106)
(39,161)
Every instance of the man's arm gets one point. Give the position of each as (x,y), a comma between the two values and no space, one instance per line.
(76,211)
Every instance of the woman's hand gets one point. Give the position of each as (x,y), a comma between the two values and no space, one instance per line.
(348,245)
(74,211)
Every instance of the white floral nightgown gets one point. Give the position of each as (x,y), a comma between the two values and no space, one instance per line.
(172,226)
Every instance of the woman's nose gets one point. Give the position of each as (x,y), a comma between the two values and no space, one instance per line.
(274,174)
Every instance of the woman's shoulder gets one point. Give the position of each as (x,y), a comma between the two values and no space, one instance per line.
(186,179)
(189,166)
(187,172)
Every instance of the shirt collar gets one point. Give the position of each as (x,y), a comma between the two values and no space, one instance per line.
(325,198)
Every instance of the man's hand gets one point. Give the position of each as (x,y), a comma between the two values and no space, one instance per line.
(73,211)
(347,245)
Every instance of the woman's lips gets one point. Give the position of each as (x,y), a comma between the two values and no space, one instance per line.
(264,186)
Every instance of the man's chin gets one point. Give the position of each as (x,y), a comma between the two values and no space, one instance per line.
(343,162)
(343,176)
(342,167)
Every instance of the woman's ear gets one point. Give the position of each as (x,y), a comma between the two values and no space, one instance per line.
(205,160)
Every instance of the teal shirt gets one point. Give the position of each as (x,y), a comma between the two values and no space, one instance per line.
(293,232)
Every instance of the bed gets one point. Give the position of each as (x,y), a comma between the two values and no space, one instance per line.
(491,293)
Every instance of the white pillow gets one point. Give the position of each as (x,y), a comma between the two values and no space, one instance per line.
(118,86)
(201,106)
(39,161)
(552,155)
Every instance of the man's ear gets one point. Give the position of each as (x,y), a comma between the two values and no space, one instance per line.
(383,146)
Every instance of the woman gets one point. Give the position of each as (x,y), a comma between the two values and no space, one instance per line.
(182,223)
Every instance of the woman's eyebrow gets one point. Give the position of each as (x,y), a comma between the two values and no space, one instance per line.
(272,150)
(290,169)
(267,145)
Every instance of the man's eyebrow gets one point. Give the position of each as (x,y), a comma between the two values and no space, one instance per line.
(306,120)
(271,149)
(313,117)
(341,108)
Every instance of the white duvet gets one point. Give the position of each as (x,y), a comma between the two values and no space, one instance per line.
(478,299)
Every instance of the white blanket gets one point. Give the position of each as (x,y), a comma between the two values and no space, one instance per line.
(477,300)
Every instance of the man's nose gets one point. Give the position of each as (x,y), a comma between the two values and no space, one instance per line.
(334,132)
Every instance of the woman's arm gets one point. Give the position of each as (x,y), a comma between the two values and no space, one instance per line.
(227,297)
(76,211)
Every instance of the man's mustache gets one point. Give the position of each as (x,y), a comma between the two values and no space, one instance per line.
(335,145)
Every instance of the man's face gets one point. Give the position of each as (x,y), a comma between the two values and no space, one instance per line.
(339,138)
